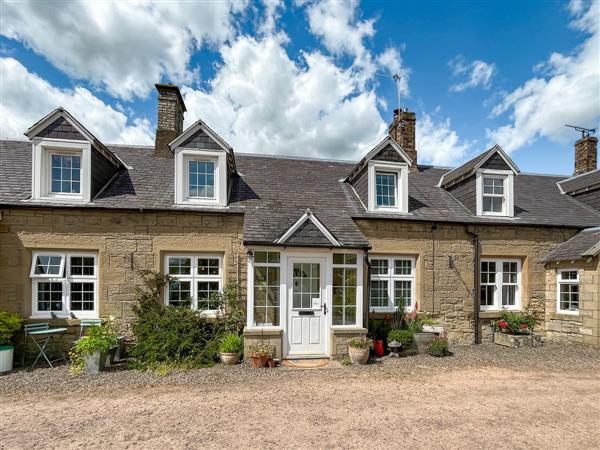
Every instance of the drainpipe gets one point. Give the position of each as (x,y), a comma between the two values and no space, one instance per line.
(476,286)
(367,292)
(433,229)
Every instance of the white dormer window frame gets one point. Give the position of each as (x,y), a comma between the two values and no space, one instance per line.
(507,196)
(42,151)
(183,196)
(400,171)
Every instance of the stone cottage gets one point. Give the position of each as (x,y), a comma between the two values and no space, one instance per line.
(316,246)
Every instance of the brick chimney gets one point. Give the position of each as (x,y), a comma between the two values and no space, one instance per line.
(586,151)
(170,118)
(402,129)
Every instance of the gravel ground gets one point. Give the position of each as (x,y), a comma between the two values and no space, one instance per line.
(483,396)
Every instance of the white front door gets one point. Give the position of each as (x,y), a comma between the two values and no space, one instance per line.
(307,306)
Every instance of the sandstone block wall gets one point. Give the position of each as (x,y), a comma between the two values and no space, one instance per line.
(584,327)
(444,260)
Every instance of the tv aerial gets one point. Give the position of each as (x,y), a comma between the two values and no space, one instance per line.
(585,132)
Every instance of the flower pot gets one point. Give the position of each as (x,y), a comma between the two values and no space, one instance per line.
(437,329)
(379,347)
(260,360)
(94,362)
(111,355)
(422,340)
(229,359)
(359,355)
(119,355)
(6,358)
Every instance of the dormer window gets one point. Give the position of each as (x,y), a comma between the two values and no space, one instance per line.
(66,173)
(385,184)
(388,186)
(201,179)
(495,193)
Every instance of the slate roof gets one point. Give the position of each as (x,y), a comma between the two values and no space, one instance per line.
(273,192)
(581,183)
(583,245)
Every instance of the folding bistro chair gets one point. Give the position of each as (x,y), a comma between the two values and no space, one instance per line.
(86,323)
(42,335)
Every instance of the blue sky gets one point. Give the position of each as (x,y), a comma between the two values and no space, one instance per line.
(308,78)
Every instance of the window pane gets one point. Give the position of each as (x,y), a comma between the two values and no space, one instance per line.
(49,296)
(402,267)
(385,187)
(208,266)
(569,297)
(48,265)
(488,272)
(403,289)
(266,257)
(379,267)
(207,289)
(568,275)
(66,174)
(266,293)
(344,296)
(82,296)
(509,272)
(379,294)
(305,284)
(201,179)
(180,293)
(82,266)
(180,266)
(487,295)
(338,258)
(509,294)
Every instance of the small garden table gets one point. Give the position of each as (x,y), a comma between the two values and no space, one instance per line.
(42,335)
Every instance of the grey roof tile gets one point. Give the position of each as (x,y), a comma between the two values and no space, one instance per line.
(583,245)
(581,183)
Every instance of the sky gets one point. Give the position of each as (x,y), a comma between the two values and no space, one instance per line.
(314,78)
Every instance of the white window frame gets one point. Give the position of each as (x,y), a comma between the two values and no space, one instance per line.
(497,305)
(391,278)
(560,282)
(508,197)
(401,172)
(252,264)
(218,158)
(65,278)
(42,152)
(194,278)
(356,287)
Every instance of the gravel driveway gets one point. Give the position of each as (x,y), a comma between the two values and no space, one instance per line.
(482,397)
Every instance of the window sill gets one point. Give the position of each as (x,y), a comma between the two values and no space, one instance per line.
(261,331)
(565,315)
(495,313)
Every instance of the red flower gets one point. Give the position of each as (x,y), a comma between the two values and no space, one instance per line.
(524,326)
(502,324)
(386,317)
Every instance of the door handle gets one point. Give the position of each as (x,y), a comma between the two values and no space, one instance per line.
(324,308)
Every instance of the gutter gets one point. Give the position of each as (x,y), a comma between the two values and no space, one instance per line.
(476,285)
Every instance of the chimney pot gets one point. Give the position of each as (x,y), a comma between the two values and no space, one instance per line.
(586,154)
(170,118)
(402,129)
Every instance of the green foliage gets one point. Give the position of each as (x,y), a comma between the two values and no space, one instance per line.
(177,336)
(262,347)
(398,316)
(360,342)
(9,324)
(99,338)
(515,322)
(379,328)
(346,361)
(414,325)
(439,348)
(231,343)
(405,337)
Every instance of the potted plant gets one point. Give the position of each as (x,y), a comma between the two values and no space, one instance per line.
(230,349)
(261,354)
(379,329)
(9,325)
(358,349)
(515,329)
(404,337)
(95,346)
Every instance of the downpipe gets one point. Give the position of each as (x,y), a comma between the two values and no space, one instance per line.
(476,284)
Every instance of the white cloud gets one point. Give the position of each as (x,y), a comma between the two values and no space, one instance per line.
(123,47)
(567,92)
(25,98)
(474,74)
(438,143)
(391,61)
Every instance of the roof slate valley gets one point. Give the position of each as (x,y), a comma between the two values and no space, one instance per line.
(274,192)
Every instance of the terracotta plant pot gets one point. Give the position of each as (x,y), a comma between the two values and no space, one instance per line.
(359,355)
(229,359)
(260,360)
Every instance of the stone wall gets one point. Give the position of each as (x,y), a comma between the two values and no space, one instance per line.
(444,261)
(584,327)
(339,340)
(124,241)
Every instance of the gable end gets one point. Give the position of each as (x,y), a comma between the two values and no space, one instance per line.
(61,129)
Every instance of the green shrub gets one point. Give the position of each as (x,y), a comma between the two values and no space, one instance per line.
(415,325)
(359,342)
(515,322)
(439,348)
(231,343)
(379,328)
(177,336)
(98,338)
(405,337)
(9,324)
(346,361)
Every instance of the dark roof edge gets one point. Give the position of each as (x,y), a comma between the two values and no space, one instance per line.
(92,207)
(284,245)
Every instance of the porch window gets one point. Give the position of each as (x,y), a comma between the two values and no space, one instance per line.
(568,291)
(267,295)
(344,289)
(392,279)
(196,278)
(500,284)
(64,283)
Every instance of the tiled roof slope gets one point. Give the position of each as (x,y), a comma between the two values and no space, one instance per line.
(583,245)
(580,183)
(273,192)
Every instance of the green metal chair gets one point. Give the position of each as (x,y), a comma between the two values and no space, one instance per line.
(86,323)
(42,335)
